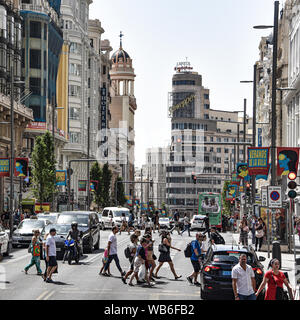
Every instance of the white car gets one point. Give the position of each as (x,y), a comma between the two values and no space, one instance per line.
(4,242)
(198,223)
(112,216)
(164,223)
(49,216)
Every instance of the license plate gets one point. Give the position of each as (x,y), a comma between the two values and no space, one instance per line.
(226,273)
(58,249)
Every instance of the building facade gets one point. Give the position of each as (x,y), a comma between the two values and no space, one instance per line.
(10,57)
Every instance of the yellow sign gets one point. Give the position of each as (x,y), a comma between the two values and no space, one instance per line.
(45,207)
(182,104)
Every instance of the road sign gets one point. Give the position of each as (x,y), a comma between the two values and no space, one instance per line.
(274,197)
(243,198)
(264,197)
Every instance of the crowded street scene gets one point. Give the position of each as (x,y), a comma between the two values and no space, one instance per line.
(149,153)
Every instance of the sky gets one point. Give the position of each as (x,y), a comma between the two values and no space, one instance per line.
(215,36)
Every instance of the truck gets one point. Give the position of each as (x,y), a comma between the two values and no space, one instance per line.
(211,204)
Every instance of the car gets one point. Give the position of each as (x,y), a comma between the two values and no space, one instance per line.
(23,234)
(197,223)
(215,275)
(88,223)
(50,216)
(112,216)
(5,244)
(164,223)
(101,223)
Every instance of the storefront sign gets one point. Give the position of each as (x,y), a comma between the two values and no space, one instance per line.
(61,177)
(82,185)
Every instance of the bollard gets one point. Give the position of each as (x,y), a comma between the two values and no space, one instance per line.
(276,251)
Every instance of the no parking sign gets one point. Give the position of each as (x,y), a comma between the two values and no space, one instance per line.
(274,197)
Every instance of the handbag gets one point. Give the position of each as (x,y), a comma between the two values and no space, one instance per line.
(162,248)
(281,294)
(259,233)
(154,257)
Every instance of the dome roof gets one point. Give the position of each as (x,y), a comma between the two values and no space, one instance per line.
(120,54)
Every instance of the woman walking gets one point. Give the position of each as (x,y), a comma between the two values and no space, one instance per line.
(133,249)
(275,279)
(35,253)
(187,225)
(165,254)
(259,234)
(244,229)
(150,257)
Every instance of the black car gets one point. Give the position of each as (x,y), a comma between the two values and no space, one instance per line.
(215,275)
(62,231)
(88,223)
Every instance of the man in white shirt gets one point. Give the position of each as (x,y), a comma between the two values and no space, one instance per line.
(243,280)
(51,255)
(113,252)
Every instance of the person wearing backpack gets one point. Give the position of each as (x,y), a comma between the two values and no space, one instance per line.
(195,260)
(130,252)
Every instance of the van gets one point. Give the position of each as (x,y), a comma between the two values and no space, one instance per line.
(112,216)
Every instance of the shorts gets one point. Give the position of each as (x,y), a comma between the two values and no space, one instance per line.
(196,266)
(52,261)
(137,264)
(104,260)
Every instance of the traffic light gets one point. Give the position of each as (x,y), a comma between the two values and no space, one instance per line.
(151,183)
(194,178)
(292,185)
(178,145)
(248,189)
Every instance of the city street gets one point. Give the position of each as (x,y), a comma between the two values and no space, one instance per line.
(82,281)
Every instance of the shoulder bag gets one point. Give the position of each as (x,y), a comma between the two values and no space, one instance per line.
(259,233)
(162,248)
(281,294)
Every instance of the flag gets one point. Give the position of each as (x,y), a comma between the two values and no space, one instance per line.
(287,161)
(21,167)
(258,161)
(242,171)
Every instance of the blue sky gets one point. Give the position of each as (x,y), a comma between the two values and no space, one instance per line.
(216,36)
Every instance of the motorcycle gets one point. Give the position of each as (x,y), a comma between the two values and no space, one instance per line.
(71,251)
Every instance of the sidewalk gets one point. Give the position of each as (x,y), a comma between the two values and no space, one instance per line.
(287,260)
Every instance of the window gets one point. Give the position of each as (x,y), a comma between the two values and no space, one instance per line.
(218,139)
(45,31)
(35,86)
(74,69)
(219,150)
(35,59)
(206,96)
(74,137)
(35,29)
(74,91)
(74,113)
(211,139)
(206,106)
(104,70)
(75,48)
(36,112)
(206,116)
(184,83)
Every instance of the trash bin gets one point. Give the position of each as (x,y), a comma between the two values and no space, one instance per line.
(276,251)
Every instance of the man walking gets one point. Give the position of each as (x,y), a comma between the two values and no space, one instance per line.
(195,260)
(51,255)
(243,280)
(156,221)
(176,220)
(113,252)
(187,225)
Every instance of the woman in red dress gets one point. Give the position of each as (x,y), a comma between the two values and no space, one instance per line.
(274,278)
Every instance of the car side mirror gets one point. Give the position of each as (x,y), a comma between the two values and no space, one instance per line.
(262,259)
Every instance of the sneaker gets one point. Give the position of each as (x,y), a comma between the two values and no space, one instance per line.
(131,284)
(196,283)
(49,281)
(152,279)
(124,281)
(140,282)
(26,271)
(123,273)
(189,279)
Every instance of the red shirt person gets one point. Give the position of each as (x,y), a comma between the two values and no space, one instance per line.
(274,278)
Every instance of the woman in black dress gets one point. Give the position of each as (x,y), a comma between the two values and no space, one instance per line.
(165,255)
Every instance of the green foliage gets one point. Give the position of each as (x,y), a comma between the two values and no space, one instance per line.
(226,203)
(43,168)
(96,175)
(121,192)
(106,186)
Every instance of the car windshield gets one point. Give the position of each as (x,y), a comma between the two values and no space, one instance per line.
(60,228)
(52,219)
(32,224)
(231,257)
(198,218)
(120,213)
(81,219)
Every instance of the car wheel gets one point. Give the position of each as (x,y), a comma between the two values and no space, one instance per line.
(97,246)
(15,246)
(204,295)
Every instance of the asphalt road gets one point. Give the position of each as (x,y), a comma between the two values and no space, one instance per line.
(82,282)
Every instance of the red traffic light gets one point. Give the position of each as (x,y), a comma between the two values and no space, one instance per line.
(292,175)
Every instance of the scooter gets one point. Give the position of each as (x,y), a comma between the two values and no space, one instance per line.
(71,251)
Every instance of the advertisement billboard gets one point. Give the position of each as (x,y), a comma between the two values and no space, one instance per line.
(211,203)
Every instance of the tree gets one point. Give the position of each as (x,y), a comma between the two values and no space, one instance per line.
(106,186)
(43,168)
(121,192)
(226,203)
(96,175)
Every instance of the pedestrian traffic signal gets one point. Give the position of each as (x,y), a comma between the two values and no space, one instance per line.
(292,185)
(194,178)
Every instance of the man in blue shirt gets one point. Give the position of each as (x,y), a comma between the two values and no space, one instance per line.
(195,260)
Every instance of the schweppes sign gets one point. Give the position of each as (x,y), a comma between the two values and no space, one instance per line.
(182,104)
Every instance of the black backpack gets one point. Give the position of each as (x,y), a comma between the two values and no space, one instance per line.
(127,252)
(188,251)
